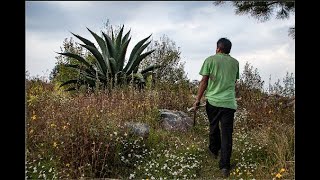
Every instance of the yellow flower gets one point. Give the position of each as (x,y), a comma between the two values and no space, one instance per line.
(53,125)
(34,117)
(55,144)
(282,170)
(68,165)
(278,175)
(237,170)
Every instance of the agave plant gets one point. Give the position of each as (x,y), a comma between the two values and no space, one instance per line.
(108,66)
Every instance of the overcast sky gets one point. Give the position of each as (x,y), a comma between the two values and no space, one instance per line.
(195,27)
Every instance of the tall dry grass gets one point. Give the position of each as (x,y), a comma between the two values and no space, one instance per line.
(83,134)
(75,132)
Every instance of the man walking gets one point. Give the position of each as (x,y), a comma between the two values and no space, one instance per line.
(219,74)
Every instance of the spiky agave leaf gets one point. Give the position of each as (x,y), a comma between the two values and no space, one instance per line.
(138,59)
(75,66)
(117,43)
(71,89)
(101,65)
(147,74)
(87,71)
(110,45)
(72,81)
(134,53)
(139,77)
(103,46)
(150,68)
(112,35)
(79,58)
(125,38)
(120,77)
(123,52)
(86,79)
(93,49)
(84,40)
(113,65)
(90,70)
(136,69)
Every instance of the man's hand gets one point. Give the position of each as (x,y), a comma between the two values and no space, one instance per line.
(202,87)
(196,105)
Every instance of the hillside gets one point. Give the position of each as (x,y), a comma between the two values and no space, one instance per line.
(82,135)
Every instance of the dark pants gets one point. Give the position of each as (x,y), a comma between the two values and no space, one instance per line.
(221,141)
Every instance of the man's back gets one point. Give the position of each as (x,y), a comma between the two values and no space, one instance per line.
(219,74)
(223,71)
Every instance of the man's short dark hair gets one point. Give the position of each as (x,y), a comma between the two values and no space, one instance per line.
(224,45)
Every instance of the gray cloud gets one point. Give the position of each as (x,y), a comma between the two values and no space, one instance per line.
(194,26)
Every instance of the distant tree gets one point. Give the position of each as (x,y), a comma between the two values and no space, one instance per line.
(263,10)
(60,72)
(109,29)
(286,89)
(289,85)
(250,78)
(193,86)
(167,56)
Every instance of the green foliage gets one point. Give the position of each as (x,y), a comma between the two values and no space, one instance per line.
(107,66)
(167,55)
(61,73)
(250,78)
(263,10)
(41,168)
(287,89)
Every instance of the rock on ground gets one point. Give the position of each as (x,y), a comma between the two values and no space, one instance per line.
(175,120)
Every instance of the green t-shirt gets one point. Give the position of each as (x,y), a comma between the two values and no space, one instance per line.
(223,71)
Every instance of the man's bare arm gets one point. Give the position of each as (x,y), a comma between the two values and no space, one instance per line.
(202,87)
